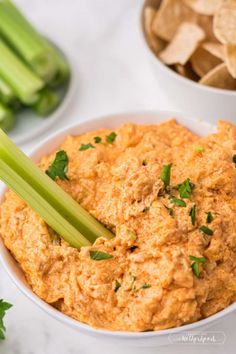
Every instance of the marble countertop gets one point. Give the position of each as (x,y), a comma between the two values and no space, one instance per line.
(114,75)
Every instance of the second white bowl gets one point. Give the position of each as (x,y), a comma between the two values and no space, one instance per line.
(188,96)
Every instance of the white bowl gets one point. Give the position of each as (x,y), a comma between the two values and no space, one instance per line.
(188,96)
(49,145)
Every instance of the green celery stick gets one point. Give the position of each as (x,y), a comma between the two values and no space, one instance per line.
(22,80)
(6,118)
(78,217)
(47,102)
(40,205)
(27,42)
(63,69)
(7,95)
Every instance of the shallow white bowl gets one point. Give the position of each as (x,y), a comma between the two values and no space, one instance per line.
(188,96)
(51,144)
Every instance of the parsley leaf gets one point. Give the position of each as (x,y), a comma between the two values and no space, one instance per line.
(97,139)
(195,264)
(59,166)
(178,202)
(84,147)
(4,306)
(145,286)
(99,255)
(206,230)
(185,189)
(209,217)
(165,174)
(195,268)
(198,259)
(192,214)
(111,138)
(234,159)
(117,286)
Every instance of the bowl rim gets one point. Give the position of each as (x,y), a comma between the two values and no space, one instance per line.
(53,312)
(170,72)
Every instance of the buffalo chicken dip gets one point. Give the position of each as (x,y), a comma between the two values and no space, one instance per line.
(169,197)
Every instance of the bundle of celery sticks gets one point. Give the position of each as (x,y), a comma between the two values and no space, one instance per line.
(31,68)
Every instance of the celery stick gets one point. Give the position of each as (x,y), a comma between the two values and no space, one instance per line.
(47,102)
(24,38)
(40,205)
(7,95)
(23,81)
(6,118)
(63,70)
(49,190)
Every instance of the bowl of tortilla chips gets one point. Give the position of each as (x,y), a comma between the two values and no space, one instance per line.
(192,48)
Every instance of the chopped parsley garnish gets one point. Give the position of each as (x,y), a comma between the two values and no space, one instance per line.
(4,306)
(97,139)
(199,148)
(178,202)
(59,166)
(197,259)
(99,255)
(84,147)
(206,230)
(165,174)
(234,159)
(117,285)
(111,138)
(185,189)
(192,214)
(209,217)
(195,264)
(145,286)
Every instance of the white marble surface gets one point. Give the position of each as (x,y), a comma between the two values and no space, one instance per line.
(113,75)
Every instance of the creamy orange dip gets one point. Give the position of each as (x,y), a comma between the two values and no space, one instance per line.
(152,281)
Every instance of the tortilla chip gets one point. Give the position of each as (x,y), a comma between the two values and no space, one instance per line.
(170,16)
(230,59)
(172,13)
(183,45)
(186,71)
(154,42)
(215,49)
(224,24)
(219,77)
(206,22)
(204,7)
(202,61)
